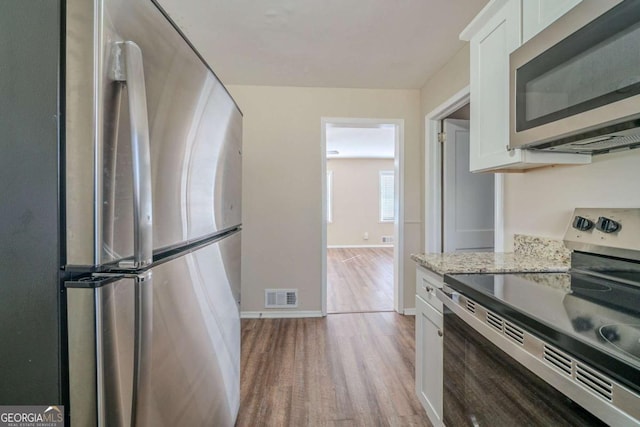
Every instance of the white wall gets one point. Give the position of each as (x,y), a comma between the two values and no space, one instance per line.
(540,202)
(356,202)
(282,181)
(445,83)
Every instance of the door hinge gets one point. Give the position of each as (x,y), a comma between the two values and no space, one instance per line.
(442,137)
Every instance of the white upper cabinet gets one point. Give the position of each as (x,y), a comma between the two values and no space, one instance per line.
(539,14)
(493,35)
(490,48)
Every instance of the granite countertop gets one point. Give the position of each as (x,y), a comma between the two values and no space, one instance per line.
(531,255)
(487,262)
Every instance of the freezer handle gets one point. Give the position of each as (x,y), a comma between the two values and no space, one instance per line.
(142,402)
(129,70)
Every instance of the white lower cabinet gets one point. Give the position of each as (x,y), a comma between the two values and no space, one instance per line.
(429,360)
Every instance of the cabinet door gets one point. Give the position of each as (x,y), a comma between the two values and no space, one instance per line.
(539,14)
(490,48)
(429,360)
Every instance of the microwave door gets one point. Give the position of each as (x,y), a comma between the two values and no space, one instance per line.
(578,80)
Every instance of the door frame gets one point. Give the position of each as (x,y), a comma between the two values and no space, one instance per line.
(398,223)
(433,181)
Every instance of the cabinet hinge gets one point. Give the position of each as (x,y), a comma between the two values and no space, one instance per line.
(442,136)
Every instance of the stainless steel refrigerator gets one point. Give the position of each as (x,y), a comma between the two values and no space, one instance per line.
(120,218)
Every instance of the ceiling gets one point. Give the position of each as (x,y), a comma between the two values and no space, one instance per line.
(360,141)
(382,44)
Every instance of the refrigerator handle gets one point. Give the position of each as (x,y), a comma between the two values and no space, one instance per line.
(142,401)
(129,70)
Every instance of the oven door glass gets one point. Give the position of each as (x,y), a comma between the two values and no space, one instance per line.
(595,66)
(483,386)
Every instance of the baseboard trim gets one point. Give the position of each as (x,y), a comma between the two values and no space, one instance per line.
(357,246)
(409,311)
(279,314)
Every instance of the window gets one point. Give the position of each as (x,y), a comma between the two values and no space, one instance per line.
(387,205)
(329,196)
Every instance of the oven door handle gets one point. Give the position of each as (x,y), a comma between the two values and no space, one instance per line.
(447,295)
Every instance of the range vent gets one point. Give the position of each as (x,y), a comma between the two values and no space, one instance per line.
(494,321)
(514,332)
(471,306)
(594,381)
(387,239)
(280,298)
(605,142)
(557,359)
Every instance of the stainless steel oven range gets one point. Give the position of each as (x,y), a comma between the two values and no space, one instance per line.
(550,348)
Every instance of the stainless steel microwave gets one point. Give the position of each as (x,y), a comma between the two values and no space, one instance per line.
(575,86)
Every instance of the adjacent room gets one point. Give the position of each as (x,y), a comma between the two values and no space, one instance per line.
(361,207)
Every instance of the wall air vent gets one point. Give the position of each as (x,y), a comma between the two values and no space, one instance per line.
(280,298)
(387,239)
(594,381)
(557,359)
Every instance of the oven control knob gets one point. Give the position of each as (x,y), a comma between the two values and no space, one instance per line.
(607,225)
(582,223)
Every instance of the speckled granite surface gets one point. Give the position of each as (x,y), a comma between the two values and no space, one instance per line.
(531,255)
(487,262)
(541,247)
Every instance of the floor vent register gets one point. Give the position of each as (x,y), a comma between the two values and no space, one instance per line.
(280,298)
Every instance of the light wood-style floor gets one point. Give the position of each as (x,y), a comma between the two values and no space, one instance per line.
(359,280)
(342,370)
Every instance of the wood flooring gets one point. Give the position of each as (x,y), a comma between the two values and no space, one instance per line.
(342,370)
(359,280)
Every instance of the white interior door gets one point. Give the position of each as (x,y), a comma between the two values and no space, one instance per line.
(468,198)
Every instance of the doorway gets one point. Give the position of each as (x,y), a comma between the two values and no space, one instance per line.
(467,198)
(463,210)
(362,208)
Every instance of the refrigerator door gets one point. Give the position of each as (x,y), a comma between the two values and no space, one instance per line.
(168,343)
(194,138)
(102,332)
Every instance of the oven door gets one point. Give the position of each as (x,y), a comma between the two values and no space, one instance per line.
(484,386)
(577,79)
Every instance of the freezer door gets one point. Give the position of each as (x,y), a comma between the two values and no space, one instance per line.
(168,344)
(193,129)
(195,377)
